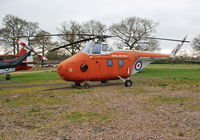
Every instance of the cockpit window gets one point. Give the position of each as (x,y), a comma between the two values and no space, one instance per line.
(96,49)
(104,47)
(87,47)
(110,49)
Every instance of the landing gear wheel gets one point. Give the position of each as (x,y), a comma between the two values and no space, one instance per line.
(76,85)
(104,82)
(86,85)
(128,83)
(7,76)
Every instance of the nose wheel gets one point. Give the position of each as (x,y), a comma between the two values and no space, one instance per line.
(77,84)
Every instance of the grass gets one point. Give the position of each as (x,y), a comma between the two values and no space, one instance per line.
(186,74)
(40,76)
(80,117)
(177,71)
(32,99)
(190,104)
(175,66)
(51,110)
(168,100)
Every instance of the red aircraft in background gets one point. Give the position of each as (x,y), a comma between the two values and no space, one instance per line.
(21,61)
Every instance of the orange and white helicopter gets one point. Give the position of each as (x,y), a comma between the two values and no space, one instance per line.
(21,61)
(99,62)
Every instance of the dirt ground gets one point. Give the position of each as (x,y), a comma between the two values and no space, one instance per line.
(152,108)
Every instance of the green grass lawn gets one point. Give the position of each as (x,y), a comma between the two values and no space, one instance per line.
(178,71)
(38,76)
(190,74)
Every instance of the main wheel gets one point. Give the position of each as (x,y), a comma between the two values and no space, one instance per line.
(86,85)
(77,84)
(128,83)
(104,82)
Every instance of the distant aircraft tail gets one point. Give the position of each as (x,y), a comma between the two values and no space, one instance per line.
(177,48)
(26,48)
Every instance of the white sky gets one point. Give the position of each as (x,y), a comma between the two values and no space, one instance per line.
(176,18)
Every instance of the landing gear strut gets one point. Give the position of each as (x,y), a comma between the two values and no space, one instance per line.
(127,83)
(8,76)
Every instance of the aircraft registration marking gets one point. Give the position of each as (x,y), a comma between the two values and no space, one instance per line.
(120,56)
(70,69)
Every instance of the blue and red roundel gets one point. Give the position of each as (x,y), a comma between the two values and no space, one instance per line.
(138,65)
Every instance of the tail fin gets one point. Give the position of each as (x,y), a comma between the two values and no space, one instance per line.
(24,50)
(178,47)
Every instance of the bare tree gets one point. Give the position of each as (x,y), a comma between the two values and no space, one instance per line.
(70,29)
(31,29)
(15,27)
(196,45)
(132,32)
(93,27)
(5,40)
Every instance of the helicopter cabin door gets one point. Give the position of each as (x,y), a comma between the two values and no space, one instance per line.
(95,56)
(123,69)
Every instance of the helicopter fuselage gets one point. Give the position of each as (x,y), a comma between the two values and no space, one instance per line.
(93,67)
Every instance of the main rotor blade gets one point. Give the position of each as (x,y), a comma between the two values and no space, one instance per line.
(98,36)
(84,40)
(81,34)
(167,39)
(51,35)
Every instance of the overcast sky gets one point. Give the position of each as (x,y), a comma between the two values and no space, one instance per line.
(176,18)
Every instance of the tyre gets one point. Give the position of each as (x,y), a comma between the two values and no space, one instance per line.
(104,82)
(77,84)
(128,83)
(86,85)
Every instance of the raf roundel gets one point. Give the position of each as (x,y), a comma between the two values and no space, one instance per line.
(138,65)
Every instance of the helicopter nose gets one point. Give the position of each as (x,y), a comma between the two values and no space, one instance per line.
(64,69)
(61,71)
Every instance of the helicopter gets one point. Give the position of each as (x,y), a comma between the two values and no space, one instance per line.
(22,61)
(98,61)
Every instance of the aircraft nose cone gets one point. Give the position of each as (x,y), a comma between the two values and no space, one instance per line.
(65,69)
(61,70)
